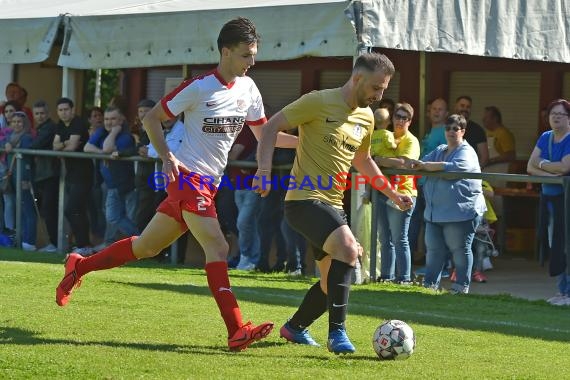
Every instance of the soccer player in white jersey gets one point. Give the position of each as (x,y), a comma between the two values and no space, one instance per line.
(216,106)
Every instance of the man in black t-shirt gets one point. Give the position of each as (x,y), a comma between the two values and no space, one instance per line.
(46,173)
(70,136)
(474,133)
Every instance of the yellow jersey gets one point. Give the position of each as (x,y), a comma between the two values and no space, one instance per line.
(330,133)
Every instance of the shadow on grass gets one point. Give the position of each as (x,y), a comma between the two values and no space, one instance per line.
(22,337)
(17,336)
(497,314)
(501,314)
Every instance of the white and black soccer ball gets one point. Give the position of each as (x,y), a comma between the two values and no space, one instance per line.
(394,340)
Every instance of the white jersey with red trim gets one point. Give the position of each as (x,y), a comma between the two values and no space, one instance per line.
(214,114)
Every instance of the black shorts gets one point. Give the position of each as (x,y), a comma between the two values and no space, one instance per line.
(315,220)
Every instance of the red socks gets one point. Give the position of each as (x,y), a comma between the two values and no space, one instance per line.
(219,283)
(121,252)
(113,256)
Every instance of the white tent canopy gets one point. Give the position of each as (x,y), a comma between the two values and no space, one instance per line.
(520,29)
(129,33)
(139,33)
(300,28)
(27,40)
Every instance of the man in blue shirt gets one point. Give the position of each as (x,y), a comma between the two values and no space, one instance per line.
(115,139)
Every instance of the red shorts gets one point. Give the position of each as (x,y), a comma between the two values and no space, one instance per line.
(188,192)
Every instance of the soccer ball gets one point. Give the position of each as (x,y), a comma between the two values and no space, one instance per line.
(394,340)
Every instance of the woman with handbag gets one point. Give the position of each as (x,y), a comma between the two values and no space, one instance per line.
(21,138)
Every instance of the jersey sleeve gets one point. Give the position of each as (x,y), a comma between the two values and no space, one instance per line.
(367,140)
(182,98)
(303,110)
(256,112)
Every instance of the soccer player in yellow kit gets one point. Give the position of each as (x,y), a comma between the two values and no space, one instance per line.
(335,128)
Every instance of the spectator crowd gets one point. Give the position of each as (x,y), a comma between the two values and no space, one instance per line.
(121,203)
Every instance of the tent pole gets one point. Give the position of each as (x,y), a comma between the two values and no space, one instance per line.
(422,94)
(68,84)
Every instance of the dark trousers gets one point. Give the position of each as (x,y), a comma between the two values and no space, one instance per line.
(269,227)
(146,204)
(77,196)
(47,192)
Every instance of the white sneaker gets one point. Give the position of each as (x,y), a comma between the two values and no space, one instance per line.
(245,266)
(487,265)
(28,247)
(295,273)
(562,301)
(50,248)
(557,297)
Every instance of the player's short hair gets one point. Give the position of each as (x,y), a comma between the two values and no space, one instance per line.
(466,97)
(374,61)
(64,101)
(41,104)
(236,31)
(456,119)
(113,109)
(95,109)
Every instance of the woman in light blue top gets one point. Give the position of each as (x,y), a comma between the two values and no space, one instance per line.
(454,207)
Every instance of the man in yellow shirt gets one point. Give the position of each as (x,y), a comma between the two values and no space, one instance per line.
(503,146)
(335,128)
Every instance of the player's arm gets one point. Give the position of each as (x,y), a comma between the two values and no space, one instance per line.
(265,149)
(236,150)
(365,165)
(284,140)
(557,167)
(91,148)
(153,127)
(110,142)
(72,144)
(57,144)
(390,162)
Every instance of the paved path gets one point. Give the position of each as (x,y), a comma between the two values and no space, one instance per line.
(518,277)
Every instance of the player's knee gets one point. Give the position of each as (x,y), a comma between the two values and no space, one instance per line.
(143,251)
(350,252)
(217,250)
